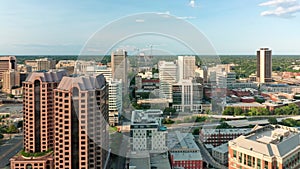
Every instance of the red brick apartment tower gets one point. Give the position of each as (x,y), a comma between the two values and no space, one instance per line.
(38,114)
(81,121)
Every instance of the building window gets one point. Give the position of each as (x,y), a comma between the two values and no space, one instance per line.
(266,165)
(234,153)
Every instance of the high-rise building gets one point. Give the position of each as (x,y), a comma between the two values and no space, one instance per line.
(81,116)
(119,67)
(11,79)
(266,147)
(103,69)
(43,64)
(7,63)
(202,72)
(38,114)
(167,76)
(187,96)
(264,65)
(114,101)
(186,67)
(22,68)
(81,66)
(38,108)
(66,65)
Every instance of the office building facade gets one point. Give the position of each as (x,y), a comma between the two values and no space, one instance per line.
(81,115)
(43,64)
(119,67)
(7,63)
(115,101)
(187,96)
(11,79)
(266,147)
(217,137)
(167,77)
(38,112)
(147,132)
(264,65)
(186,67)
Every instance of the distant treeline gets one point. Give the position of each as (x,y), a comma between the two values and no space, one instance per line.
(246,64)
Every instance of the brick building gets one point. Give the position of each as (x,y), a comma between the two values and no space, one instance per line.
(184,152)
(217,137)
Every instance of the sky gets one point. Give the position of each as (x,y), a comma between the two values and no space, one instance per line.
(233,27)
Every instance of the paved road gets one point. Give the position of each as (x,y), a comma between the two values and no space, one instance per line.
(9,149)
(118,158)
(208,158)
(124,149)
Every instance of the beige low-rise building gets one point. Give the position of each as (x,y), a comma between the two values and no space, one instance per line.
(267,147)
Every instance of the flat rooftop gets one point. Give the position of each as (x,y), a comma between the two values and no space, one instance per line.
(160,161)
(223,148)
(245,123)
(151,116)
(139,160)
(225,131)
(240,104)
(177,140)
(178,156)
(271,140)
(183,147)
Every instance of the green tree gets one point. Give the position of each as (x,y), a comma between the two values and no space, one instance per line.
(201,119)
(289,122)
(238,111)
(10,95)
(167,121)
(12,129)
(196,131)
(272,120)
(228,111)
(169,110)
(259,100)
(291,109)
(224,125)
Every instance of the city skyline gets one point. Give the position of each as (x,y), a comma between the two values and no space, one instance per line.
(64,27)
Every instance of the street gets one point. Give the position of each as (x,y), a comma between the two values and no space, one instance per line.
(9,149)
(207,157)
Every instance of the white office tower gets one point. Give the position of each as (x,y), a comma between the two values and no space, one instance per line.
(167,76)
(80,67)
(187,96)
(186,67)
(100,69)
(114,101)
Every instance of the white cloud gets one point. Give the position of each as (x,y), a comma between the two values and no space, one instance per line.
(192,3)
(140,20)
(186,17)
(281,8)
(279,3)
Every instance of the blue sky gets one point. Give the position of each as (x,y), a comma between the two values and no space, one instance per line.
(232,26)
